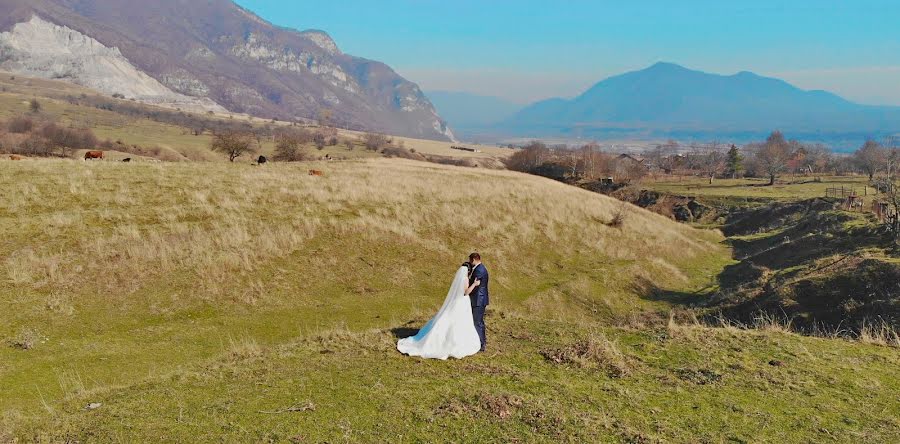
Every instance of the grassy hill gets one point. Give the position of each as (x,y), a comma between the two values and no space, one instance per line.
(208,301)
(78,107)
(113,273)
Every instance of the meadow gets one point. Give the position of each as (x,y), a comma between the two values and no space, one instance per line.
(208,301)
(114,273)
(180,143)
(788,187)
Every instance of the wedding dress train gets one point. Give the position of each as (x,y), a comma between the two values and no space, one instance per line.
(451,332)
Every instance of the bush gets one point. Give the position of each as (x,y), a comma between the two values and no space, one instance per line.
(35,146)
(319,140)
(375,141)
(402,153)
(68,138)
(20,125)
(455,161)
(288,149)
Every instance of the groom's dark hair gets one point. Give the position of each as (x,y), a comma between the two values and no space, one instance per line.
(474,257)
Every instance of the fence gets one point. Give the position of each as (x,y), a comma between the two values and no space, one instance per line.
(842,192)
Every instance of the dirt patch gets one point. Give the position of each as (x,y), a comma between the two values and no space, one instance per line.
(701,376)
(500,406)
(595,352)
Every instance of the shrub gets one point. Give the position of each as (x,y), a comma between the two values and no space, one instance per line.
(68,138)
(455,161)
(403,153)
(34,145)
(375,141)
(34,106)
(20,125)
(319,140)
(288,149)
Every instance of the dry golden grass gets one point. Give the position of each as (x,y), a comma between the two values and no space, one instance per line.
(119,224)
(132,270)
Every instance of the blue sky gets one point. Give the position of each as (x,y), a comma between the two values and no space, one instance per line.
(528,49)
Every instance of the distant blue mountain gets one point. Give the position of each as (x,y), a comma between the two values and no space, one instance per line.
(465,111)
(667,99)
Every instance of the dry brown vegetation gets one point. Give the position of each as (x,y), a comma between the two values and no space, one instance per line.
(226,221)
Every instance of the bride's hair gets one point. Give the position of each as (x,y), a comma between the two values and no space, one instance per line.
(468,265)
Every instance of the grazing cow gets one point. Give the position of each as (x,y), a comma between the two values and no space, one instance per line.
(127,159)
(316,173)
(91,155)
(15,157)
(262,160)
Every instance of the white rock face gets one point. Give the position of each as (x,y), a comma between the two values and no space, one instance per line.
(258,48)
(38,48)
(323,40)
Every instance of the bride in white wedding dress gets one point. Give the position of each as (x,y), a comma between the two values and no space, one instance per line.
(451,332)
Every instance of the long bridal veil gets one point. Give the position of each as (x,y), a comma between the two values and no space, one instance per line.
(451,332)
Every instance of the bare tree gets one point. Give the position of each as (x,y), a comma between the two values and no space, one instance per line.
(589,159)
(870,157)
(233,144)
(892,146)
(288,148)
(528,158)
(375,141)
(664,157)
(712,159)
(816,160)
(772,156)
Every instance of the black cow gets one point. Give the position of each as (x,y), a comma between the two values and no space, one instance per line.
(262,160)
(127,159)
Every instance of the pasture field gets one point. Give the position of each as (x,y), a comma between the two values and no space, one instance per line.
(211,301)
(17,91)
(114,273)
(787,188)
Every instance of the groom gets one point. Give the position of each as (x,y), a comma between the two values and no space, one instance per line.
(479,295)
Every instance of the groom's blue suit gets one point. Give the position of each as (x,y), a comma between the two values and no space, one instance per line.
(480,299)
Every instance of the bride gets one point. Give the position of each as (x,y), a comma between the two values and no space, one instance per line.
(451,332)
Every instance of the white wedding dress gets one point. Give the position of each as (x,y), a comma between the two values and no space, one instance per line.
(451,332)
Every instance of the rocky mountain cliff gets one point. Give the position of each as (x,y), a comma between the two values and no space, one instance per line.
(212,55)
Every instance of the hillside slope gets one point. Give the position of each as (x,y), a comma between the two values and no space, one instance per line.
(112,272)
(212,51)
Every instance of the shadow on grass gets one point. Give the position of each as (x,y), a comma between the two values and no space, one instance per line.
(404,332)
(823,268)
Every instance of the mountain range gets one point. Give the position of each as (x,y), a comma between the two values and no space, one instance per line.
(209,55)
(668,100)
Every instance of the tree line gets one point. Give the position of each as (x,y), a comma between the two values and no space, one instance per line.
(770,159)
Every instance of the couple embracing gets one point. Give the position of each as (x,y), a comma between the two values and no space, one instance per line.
(457,330)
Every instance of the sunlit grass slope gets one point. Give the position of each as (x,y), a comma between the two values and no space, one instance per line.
(112,272)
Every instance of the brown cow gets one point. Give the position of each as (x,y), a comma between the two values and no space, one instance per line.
(15,157)
(316,173)
(90,155)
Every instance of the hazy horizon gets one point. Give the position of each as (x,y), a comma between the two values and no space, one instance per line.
(531,50)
